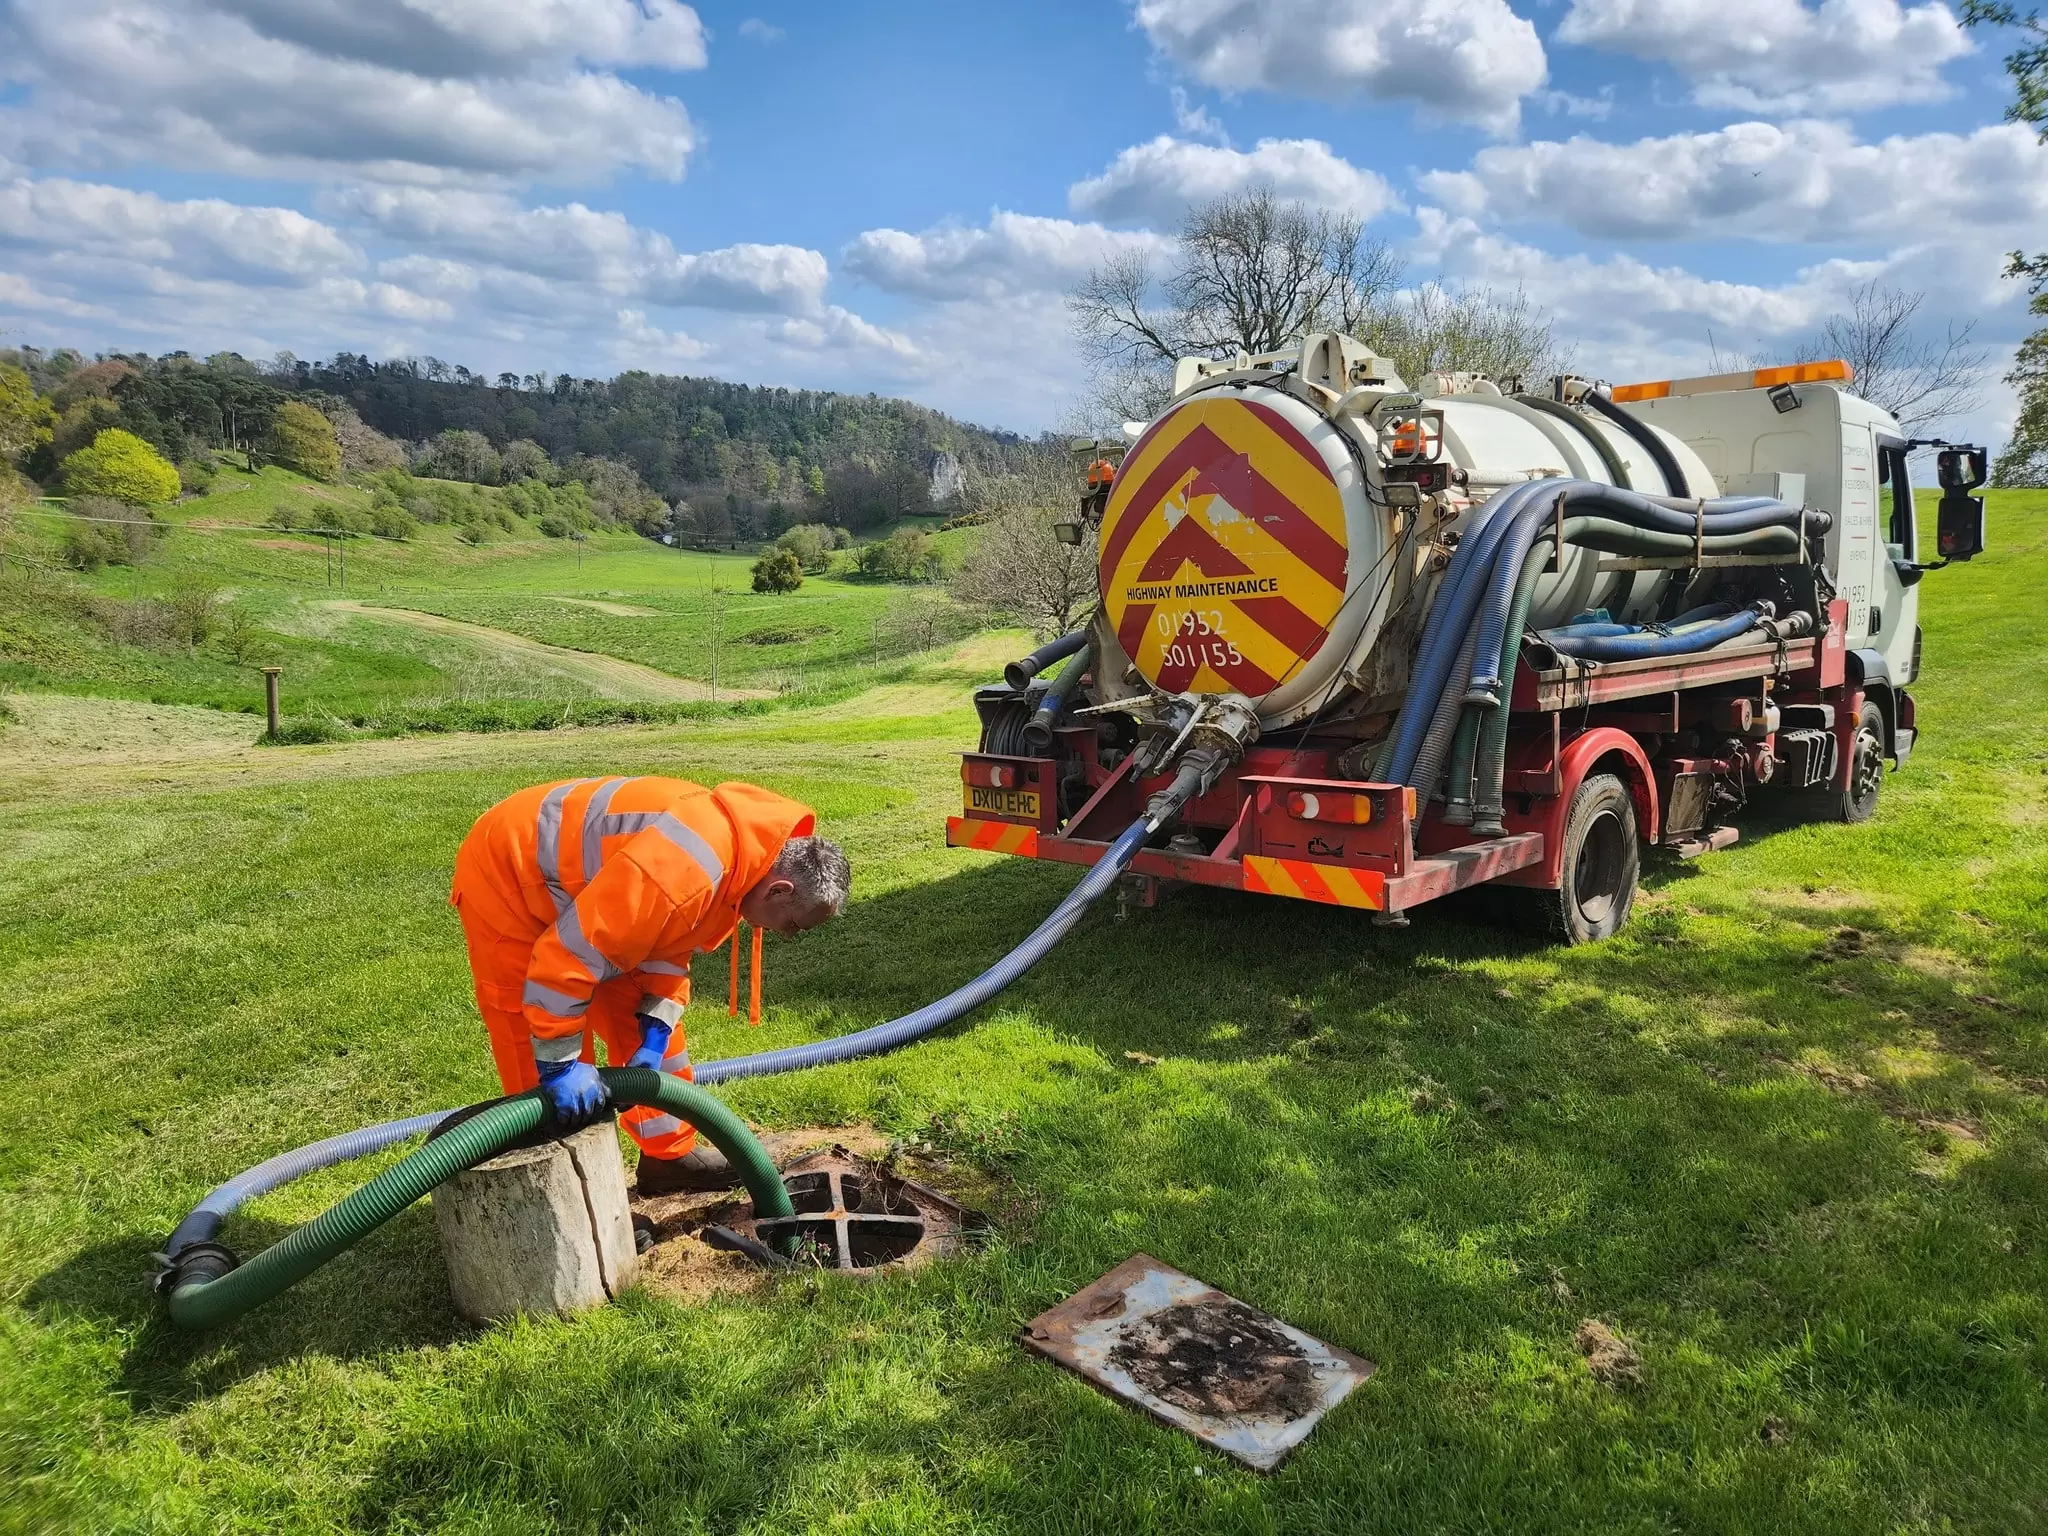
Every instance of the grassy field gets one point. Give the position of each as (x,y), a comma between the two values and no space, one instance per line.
(1788,1136)
(313,607)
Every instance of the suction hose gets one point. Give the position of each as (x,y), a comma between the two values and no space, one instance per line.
(207,1287)
(1660,641)
(915,1026)
(1655,446)
(1018,673)
(1039,728)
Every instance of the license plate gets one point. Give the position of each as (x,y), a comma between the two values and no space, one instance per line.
(1002,802)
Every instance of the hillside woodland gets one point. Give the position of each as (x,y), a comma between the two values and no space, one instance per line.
(697,462)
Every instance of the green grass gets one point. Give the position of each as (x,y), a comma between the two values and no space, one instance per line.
(1807,1176)
(355,673)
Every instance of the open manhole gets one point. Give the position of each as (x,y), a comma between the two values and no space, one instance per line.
(853,1212)
(1192,1357)
(856,1213)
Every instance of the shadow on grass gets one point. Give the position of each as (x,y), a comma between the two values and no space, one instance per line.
(387,1293)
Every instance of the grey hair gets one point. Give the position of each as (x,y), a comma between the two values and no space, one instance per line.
(817,867)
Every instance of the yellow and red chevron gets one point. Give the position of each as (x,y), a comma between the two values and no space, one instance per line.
(1223,560)
(992,836)
(1336,884)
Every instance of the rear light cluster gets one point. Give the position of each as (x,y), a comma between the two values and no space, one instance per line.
(1323,805)
(992,775)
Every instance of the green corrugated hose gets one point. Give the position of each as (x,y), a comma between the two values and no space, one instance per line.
(208,1292)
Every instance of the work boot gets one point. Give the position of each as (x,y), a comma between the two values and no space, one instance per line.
(699,1171)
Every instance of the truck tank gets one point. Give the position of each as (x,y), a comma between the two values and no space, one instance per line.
(1250,544)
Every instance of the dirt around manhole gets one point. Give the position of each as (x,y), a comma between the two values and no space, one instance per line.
(682,1266)
(1219,1359)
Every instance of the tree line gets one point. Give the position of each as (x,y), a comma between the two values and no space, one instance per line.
(694,461)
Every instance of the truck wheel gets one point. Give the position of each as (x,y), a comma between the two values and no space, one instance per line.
(1601,860)
(1857,802)
(1866,769)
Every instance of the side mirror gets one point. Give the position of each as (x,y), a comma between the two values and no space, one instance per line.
(1959,523)
(1961,469)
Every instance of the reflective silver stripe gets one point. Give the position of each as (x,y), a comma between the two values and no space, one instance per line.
(692,844)
(676,1059)
(548,839)
(561,1048)
(661,968)
(666,1009)
(655,1125)
(629,821)
(569,929)
(558,1003)
(593,826)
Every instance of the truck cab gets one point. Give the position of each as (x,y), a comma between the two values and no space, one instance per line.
(1805,438)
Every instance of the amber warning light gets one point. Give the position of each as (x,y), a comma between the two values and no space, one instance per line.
(1346,810)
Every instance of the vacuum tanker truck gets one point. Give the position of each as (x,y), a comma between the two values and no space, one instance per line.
(1367,644)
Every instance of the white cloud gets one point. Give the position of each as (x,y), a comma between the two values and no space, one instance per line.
(1472,60)
(575,244)
(203,237)
(1156,182)
(1803,181)
(755,30)
(1194,122)
(841,330)
(1782,55)
(1631,319)
(1013,253)
(327,88)
(641,345)
(483,37)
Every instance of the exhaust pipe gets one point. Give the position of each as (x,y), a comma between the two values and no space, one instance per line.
(1018,673)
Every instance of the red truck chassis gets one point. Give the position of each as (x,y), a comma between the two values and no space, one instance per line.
(1288,827)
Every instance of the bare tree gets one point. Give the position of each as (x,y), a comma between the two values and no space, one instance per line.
(1921,381)
(1441,329)
(1247,271)
(1016,569)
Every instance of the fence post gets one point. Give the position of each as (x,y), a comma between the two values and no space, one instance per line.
(270,675)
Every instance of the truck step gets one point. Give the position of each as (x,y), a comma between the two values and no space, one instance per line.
(1712,840)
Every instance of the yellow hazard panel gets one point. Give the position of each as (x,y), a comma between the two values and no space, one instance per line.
(1223,549)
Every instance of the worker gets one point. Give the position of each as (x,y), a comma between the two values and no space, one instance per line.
(583,902)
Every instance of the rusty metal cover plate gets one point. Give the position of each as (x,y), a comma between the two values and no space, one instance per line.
(1194,1358)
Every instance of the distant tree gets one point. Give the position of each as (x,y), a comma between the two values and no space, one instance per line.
(121,465)
(302,439)
(906,555)
(1436,328)
(26,418)
(364,450)
(459,454)
(2025,459)
(1248,271)
(103,531)
(1015,568)
(811,543)
(1921,380)
(524,459)
(779,570)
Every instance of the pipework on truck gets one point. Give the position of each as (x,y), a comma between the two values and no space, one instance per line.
(1382,643)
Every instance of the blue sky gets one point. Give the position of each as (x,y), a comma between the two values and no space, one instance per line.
(894,197)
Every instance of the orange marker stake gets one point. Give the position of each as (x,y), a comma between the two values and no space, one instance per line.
(732,1007)
(754,986)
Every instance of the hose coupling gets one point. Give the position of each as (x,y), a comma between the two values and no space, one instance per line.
(1486,821)
(194,1264)
(1484,693)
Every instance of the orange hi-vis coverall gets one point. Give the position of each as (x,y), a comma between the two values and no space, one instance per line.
(583,902)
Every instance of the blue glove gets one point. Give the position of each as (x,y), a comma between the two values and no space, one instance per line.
(574,1088)
(653,1044)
